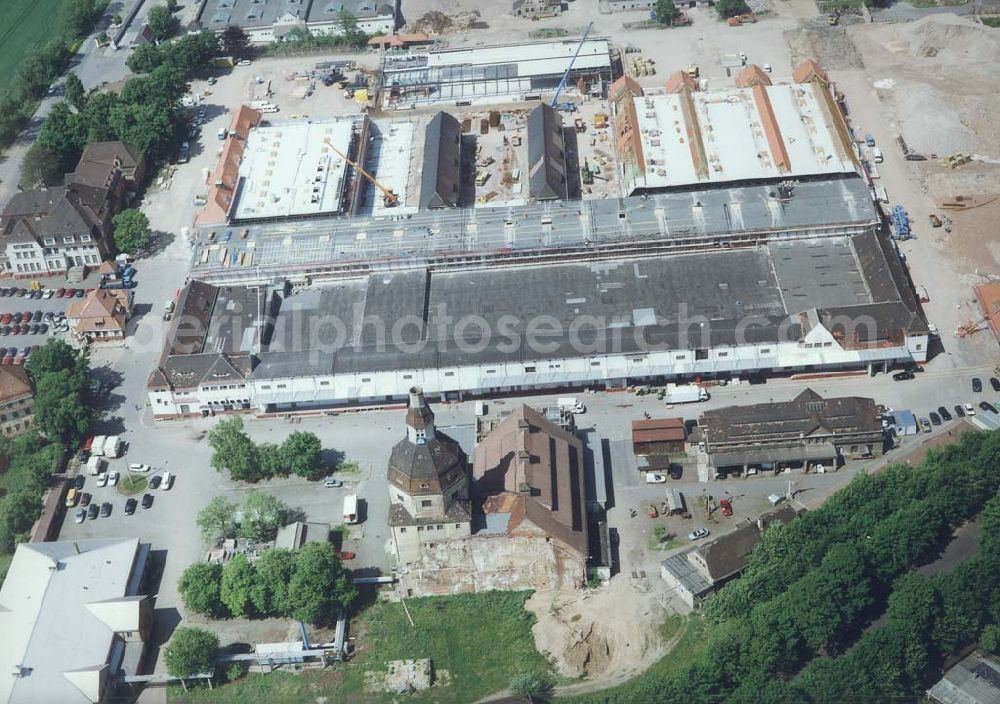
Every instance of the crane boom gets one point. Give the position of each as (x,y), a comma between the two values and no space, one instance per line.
(562,82)
(388,195)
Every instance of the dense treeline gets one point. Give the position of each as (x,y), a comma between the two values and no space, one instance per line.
(813,586)
(62,418)
(146,113)
(45,64)
(310,585)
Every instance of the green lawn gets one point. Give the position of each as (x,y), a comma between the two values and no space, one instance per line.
(24,25)
(479,640)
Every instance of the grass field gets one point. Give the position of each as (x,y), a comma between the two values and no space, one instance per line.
(476,642)
(24,25)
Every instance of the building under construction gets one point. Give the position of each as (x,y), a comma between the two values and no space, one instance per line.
(757,132)
(511,72)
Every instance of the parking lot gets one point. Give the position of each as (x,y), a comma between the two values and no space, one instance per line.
(27,321)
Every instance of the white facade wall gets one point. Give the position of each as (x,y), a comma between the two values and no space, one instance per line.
(611,370)
(33,258)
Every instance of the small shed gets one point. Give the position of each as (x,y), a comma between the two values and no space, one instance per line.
(658,436)
(906,423)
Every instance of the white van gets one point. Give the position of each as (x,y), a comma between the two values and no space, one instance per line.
(351,509)
(876,155)
(168,481)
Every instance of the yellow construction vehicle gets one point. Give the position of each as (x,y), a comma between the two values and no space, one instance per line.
(389,198)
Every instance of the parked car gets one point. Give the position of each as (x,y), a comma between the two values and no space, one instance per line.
(102,479)
(80,515)
(78,481)
(105,509)
(904,375)
(988,407)
(147,500)
(16,318)
(935,418)
(112,478)
(347,555)
(727,507)
(137,467)
(698,534)
(36,317)
(977,384)
(651,510)
(72,496)
(130,505)
(168,481)
(945,415)
(969,410)
(78,293)
(154,481)
(85,499)
(655,478)
(60,292)
(925,425)
(959,411)
(332,483)
(92,511)
(995,383)
(5,330)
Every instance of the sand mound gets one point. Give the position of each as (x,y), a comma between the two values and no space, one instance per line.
(946,37)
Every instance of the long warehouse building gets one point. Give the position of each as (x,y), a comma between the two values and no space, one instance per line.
(787,306)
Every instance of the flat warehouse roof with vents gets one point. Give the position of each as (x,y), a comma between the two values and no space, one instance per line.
(289,169)
(738,135)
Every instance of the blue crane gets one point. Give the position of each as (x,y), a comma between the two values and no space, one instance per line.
(562,82)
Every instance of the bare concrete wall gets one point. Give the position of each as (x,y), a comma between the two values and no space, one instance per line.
(484,563)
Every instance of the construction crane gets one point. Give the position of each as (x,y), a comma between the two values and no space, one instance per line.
(389,198)
(562,83)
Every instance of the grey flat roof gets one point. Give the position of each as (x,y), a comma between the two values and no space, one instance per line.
(411,239)
(684,572)
(55,605)
(631,305)
(329,10)
(219,14)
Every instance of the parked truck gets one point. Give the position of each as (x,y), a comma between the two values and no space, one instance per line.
(97,446)
(351,509)
(95,465)
(685,393)
(113,447)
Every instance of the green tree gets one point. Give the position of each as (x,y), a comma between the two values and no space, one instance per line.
(172,5)
(131,231)
(261,516)
(20,510)
(235,42)
(302,455)
(200,586)
(275,569)
(238,581)
(12,119)
(349,29)
(989,639)
(217,520)
(191,651)
(731,8)
(145,58)
(530,683)
(97,116)
(77,16)
(56,356)
(65,133)
(60,409)
(75,92)
(161,22)
(320,587)
(233,451)
(666,12)
(42,167)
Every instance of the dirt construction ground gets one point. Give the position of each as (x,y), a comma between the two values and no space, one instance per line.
(931,82)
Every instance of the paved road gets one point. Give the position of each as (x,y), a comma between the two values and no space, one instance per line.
(94,66)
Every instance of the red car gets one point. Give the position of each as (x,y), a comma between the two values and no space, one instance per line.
(7,360)
(7,318)
(727,507)
(19,359)
(60,292)
(347,555)
(26,316)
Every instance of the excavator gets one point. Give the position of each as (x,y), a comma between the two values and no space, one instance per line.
(389,198)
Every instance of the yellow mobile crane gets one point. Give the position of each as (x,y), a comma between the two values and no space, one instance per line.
(389,198)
